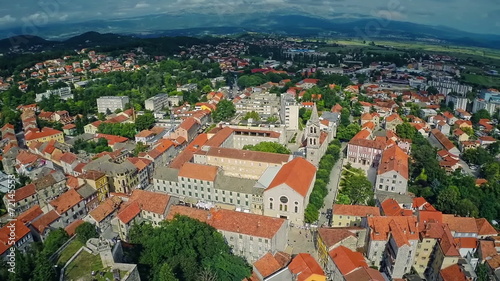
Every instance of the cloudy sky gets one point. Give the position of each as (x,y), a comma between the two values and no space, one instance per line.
(479,16)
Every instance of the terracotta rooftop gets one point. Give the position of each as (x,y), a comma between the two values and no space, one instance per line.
(355,210)
(150,201)
(30,214)
(66,201)
(268,265)
(368,143)
(220,137)
(346,260)
(129,212)
(22,193)
(452,273)
(365,274)
(390,207)
(20,231)
(381,227)
(248,155)
(487,248)
(233,221)
(198,171)
(71,228)
(466,242)
(298,174)
(394,159)
(485,228)
(45,132)
(445,142)
(106,208)
(305,266)
(332,236)
(44,221)
(460,224)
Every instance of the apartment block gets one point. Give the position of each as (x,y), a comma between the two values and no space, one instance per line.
(157,103)
(289,112)
(111,103)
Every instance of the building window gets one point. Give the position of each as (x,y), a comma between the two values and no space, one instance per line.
(296,209)
(270,205)
(284,199)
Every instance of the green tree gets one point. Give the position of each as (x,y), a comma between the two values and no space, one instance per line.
(55,239)
(225,111)
(166,273)
(268,146)
(481,114)
(447,199)
(145,121)
(140,147)
(347,133)
(44,269)
(431,90)
(482,272)
(188,246)
(85,231)
(253,115)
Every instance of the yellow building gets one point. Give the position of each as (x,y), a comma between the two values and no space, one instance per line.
(98,181)
(351,215)
(45,135)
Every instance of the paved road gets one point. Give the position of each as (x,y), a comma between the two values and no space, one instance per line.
(332,186)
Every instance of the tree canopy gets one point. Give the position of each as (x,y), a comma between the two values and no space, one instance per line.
(268,146)
(85,231)
(225,111)
(188,247)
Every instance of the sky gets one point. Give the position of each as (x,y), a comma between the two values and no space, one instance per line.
(479,16)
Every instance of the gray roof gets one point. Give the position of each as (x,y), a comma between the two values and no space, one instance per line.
(267,177)
(84,137)
(331,116)
(234,184)
(166,174)
(400,198)
(106,165)
(86,191)
(49,180)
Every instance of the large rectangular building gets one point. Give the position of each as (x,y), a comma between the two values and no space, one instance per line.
(289,112)
(156,103)
(112,103)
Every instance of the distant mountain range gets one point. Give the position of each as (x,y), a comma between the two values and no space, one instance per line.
(190,24)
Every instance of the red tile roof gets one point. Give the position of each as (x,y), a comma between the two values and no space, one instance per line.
(106,208)
(198,171)
(332,236)
(445,142)
(460,224)
(45,221)
(466,242)
(150,201)
(394,159)
(30,214)
(304,265)
(267,265)
(485,228)
(45,132)
(129,212)
(22,193)
(355,210)
(365,274)
(380,227)
(71,228)
(20,231)
(233,221)
(298,174)
(453,273)
(346,260)
(391,207)
(112,139)
(66,201)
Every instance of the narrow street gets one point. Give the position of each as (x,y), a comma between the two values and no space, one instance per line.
(332,186)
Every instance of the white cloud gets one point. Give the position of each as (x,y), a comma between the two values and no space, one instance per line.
(141,5)
(7,19)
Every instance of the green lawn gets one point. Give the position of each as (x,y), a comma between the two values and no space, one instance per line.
(483,80)
(69,251)
(83,266)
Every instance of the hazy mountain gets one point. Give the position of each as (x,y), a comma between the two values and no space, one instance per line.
(191,24)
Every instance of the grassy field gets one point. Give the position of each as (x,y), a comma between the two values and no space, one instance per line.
(482,80)
(81,268)
(480,54)
(68,252)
